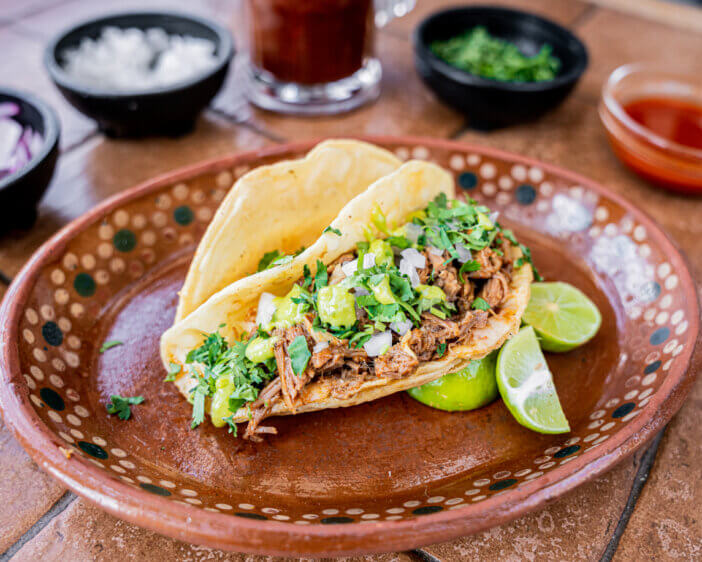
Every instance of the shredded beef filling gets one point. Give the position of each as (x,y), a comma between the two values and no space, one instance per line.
(346,368)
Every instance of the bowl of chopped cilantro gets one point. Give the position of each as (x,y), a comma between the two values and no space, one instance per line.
(498,66)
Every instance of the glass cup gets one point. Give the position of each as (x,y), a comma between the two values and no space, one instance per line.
(315,57)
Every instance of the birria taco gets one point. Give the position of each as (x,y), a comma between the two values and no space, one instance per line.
(405,285)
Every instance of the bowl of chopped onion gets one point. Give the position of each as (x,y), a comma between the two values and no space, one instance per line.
(141,73)
(29,137)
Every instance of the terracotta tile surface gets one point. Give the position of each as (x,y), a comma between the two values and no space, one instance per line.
(95,170)
(577,527)
(84,533)
(667,521)
(561,11)
(613,39)
(406,106)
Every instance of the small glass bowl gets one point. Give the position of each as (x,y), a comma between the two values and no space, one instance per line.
(671,165)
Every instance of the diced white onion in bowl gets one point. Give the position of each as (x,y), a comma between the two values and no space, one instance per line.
(464,253)
(320,346)
(436,251)
(401,328)
(410,271)
(368,260)
(413,232)
(266,309)
(378,343)
(350,267)
(415,258)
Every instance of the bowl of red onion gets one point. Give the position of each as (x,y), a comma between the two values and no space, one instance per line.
(141,73)
(29,137)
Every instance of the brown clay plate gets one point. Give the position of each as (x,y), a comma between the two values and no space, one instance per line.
(387,475)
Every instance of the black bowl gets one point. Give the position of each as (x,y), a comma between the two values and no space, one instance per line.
(21,191)
(170,110)
(492,103)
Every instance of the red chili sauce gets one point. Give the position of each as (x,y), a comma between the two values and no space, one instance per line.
(674,119)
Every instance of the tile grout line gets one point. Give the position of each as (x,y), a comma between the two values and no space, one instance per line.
(61,504)
(647,461)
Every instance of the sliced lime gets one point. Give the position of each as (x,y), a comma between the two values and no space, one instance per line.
(526,385)
(562,316)
(467,389)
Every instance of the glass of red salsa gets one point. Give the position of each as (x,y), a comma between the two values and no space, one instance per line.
(653,119)
(315,57)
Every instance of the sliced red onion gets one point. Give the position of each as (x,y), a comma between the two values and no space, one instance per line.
(368,260)
(266,309)
(378,344)
(401,328)
(436,251)
(320,346)
(413,232)
(493,216)
(350,267)
(10,134)
(9,109)
(17,144)
(414,257)
(464,253)
(410,271)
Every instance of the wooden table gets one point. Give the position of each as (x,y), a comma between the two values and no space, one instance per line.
(646,508)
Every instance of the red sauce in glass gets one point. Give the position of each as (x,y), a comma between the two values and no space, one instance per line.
(674,119)
(310,41)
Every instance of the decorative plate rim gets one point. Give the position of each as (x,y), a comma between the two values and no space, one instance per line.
(220,530)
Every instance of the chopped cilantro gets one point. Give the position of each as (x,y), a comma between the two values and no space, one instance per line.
(199,392)
(440,350)
(173,370)
(120,405)
(109,345)
(330,229)
(320,278)
(299,355)
(468,267)
(307,277)
(276,258)
(231,424)
(480,304)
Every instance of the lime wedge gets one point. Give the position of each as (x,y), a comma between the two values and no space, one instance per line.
(472,387)
(562,316)
(526,385)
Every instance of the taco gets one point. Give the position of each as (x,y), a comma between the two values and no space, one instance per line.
(405,285)
(284,206)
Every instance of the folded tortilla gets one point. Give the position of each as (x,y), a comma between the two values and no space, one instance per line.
(282,206)
(408,189)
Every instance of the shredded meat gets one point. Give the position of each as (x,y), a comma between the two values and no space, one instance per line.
(291,383)
(490,263)
(345,368)
(496,289)
(395,364)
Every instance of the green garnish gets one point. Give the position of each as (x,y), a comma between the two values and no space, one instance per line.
(109,345)
(276,258)
(231,424)
(468,267)
(320,278)
(441,350)
(299,355)
(480,304)
(120,405)
(330,229)
(173,370)
(478,52)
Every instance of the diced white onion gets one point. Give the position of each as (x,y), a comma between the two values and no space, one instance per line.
(368,260)
(410,271)
(436,251)
(350,267)
(378,343)
(360,291)
(320,346)
(493,216)
(415,258)
(266,309)
(401,328)
(413,232)
(464,254)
